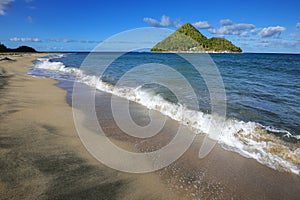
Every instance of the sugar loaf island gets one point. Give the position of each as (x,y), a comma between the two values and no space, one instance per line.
(187,39)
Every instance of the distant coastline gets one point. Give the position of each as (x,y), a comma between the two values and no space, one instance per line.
(20,49)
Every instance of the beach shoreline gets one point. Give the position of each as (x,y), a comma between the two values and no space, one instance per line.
(42,156)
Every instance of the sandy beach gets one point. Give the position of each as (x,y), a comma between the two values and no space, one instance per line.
(42,157)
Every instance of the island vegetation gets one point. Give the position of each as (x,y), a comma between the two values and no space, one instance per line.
(4,49)
(188,39)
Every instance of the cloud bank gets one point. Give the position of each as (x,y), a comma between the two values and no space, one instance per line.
(71,40)
(271,31)
(202,24)
(233,29)
(226,22)
(164,22)
(4,5)
(16,39)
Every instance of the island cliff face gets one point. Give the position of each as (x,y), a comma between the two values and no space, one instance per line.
(188,39)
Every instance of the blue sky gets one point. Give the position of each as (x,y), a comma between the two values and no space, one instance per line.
(53,25)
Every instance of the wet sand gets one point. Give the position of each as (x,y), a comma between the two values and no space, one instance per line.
(220,175)
(42,157)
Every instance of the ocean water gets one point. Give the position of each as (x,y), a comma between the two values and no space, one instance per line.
(262,95)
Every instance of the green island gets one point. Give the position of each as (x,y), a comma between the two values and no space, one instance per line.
(187,39)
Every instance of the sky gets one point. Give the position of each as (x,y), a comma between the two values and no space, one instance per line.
(61,25)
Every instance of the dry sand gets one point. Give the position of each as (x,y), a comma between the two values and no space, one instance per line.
(41,156)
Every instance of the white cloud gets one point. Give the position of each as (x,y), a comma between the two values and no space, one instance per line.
(70,40)
(244,34)
(177,24)
(247,39)
(295,36)
(255,30)
(226,22)
(271,31)
(58,40)
(151,21)
(212,30)
(298,25)
(4,5)
(278,43)
(29,19)
(15,39)
(164,22)
(234,29)
(202,24)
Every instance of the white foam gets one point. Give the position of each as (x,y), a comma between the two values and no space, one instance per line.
(282,132)
(246,138)
(45,63)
